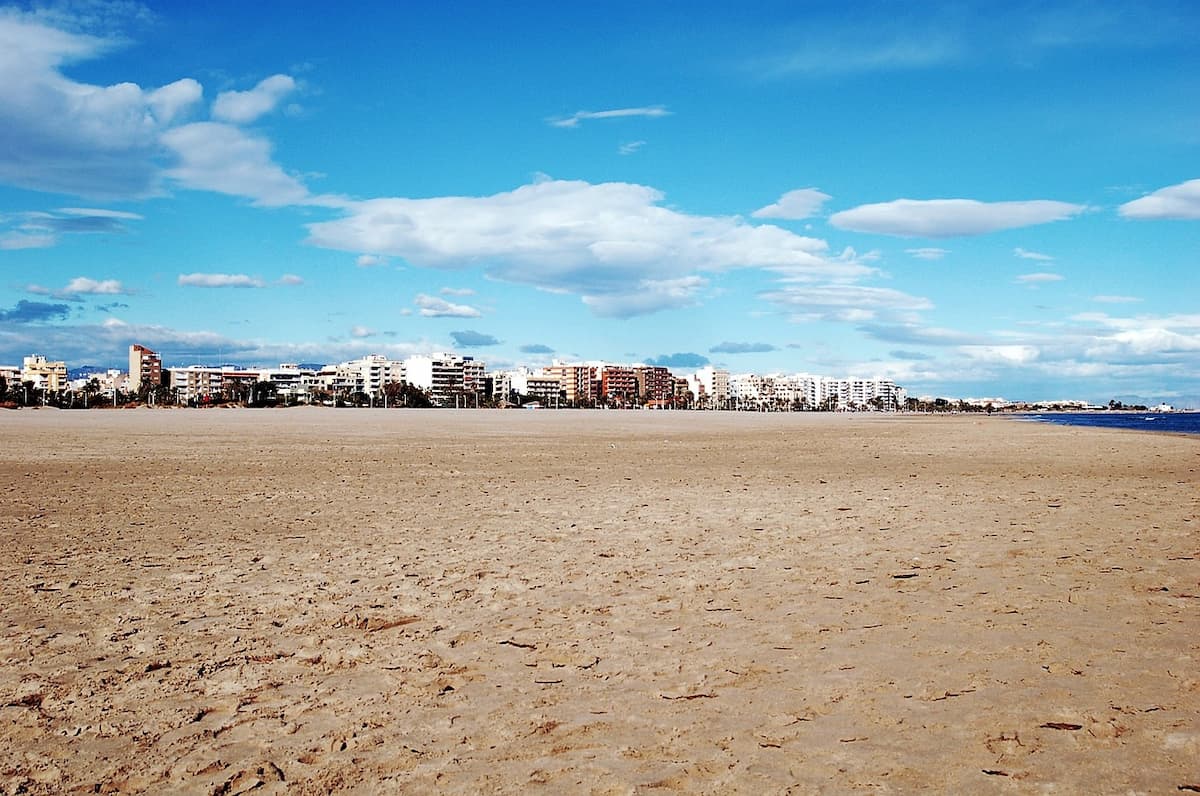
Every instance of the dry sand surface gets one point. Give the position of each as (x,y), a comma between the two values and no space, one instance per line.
(315,600)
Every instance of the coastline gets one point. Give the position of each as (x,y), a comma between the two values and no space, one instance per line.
(457,601)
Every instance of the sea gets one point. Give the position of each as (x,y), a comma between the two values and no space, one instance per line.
(1161,422)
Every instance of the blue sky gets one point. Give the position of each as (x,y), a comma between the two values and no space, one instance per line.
(972,199)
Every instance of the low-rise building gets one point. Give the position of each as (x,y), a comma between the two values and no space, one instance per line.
(48,375)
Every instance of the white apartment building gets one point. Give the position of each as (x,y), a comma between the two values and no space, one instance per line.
(751,391)
(45,374)
(290,380)
(203,382)
(710,386)
(366,375)
(534,384)
(445,376)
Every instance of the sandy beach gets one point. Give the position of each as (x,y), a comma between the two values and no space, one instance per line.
(315,600)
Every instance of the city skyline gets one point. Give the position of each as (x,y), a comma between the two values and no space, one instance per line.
(963,199)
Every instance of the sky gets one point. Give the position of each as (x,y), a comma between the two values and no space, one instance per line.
(972,199)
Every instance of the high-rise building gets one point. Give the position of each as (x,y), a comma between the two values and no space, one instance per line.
(145,368)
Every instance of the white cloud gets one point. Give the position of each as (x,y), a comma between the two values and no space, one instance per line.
(369,261)
(944,218)
(82,286)
(222,158)
(64,136)
(841,52)
(220,280)
(630,147)
(1039,278)
(653,112)
(928,253)
(844,302)
(599,241)
(90,212)
(434,307)
(291,280)
(794,205)
(1028,255)
(1003,354)
(649,295)
(243,107)
(95,343)
(102,287)
(361,331)
(457,291)
(15,241)
(174,99)
(1116,299)
(1180,201)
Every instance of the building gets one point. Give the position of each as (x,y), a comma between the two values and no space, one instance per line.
(196,384)
(655,385)
(448,378)
(619,385)
(292,383)
(509,385)
(145,368)
(579,382)
(45,374)
(366,375)
(710,386)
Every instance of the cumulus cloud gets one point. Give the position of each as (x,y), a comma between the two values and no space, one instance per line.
(222,158)
(928,253)
(369,260)
(220,280)
(101,287)
(1039,278)
(434,307)
(82,286)
(653,112)
(243,107)
(472,339)
(614,244)
(61,135)
(945,218)
(795,205)
(361,331)
(1180,201)
(741,348)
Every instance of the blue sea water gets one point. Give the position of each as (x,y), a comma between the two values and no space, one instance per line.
(1162,422)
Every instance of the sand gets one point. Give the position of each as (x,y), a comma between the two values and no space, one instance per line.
(314,600)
